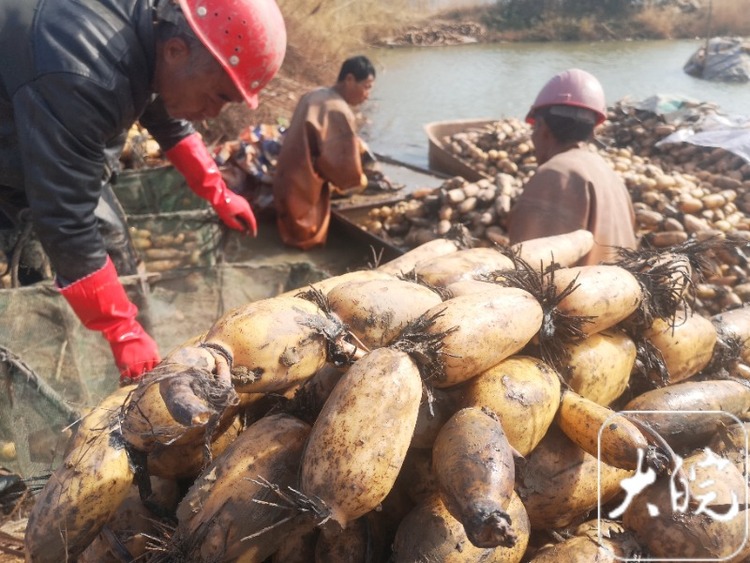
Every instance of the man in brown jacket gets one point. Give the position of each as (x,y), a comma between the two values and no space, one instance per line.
(574,187)
(321,154)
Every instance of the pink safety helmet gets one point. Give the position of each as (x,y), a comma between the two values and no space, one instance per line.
(574,88)
(247,37)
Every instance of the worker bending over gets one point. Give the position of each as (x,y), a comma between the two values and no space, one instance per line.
(74,77)
(321,154)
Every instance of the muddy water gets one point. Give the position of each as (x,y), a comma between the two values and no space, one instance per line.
(419,85)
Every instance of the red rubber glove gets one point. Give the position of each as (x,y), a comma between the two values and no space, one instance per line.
(101,303)
(191,158)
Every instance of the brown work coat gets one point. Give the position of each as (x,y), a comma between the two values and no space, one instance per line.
(319,154)
(576,189)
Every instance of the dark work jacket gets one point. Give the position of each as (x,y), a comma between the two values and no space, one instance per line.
(74,76)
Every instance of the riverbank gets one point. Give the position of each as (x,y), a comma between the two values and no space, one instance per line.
(576,20)
(314,53)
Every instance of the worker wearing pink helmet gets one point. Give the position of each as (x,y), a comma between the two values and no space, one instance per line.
(573,187)
(573,93)
(74,77)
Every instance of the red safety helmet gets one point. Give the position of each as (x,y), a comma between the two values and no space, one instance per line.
(248,38)
(576,89)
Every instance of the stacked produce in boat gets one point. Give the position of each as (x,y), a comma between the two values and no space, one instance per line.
(681,191)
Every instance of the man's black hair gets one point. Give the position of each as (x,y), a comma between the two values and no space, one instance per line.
(359,66)
(171,22)
(566,129)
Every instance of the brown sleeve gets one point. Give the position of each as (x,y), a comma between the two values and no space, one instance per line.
(339,159)
(551,204)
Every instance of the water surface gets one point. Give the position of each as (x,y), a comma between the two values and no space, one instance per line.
(416,85)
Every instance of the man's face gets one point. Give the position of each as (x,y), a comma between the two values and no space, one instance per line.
(192,91)
(356,93)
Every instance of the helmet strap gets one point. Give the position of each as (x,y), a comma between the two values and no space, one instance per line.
(576,113)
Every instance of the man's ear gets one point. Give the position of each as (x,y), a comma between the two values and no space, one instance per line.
(175,50)
(544,130)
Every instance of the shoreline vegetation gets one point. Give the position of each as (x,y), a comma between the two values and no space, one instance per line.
(602,20)
(322,33)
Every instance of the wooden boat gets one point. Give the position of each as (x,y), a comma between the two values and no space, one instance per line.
(410,177)
(347,224)
(440,159)
(348,214)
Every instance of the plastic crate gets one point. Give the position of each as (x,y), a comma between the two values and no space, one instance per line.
(180,239)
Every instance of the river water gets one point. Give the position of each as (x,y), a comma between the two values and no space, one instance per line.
(416,85)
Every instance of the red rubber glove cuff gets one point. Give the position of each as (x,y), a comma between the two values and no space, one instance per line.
(100,302)
(191,158)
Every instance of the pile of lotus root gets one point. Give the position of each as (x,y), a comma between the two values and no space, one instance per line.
(457,404)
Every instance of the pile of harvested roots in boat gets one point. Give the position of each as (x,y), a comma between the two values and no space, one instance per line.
(681,192)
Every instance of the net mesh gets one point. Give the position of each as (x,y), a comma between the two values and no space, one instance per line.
(171,240)
(155,190)
(52,368)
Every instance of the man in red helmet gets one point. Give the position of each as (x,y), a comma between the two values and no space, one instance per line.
(573,187)
(74,76)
